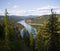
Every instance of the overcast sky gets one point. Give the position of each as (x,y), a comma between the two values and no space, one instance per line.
(29,7)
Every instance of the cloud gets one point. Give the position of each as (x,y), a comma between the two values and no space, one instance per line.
(16,12)
(37,11)
(57,11)
(43,10)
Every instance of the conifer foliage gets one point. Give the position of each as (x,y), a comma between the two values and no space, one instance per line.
(52,29)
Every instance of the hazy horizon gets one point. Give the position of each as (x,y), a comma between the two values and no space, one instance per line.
(29,7)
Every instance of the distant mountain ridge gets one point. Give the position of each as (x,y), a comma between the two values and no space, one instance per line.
(18,18)
(36,19)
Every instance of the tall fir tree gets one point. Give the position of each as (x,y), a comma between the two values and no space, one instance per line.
(6,31)
(52,29)
(6,24)
(39,46)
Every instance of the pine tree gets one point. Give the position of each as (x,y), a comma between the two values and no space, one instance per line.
(32,40)
(39,41)
(6,24)
(54,35)
(6,31)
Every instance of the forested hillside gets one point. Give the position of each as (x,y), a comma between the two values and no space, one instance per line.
(42,19)
(47,36)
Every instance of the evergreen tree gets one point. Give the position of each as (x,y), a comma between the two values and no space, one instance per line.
(32,40)
(54,44)
(39,41)
(6,25)
(6,30)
